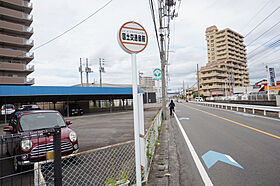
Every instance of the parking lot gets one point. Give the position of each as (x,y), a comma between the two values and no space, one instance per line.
(94,131)
(99,130)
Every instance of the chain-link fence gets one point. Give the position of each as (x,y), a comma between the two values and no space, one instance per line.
(151,142)
(111,165)
(15,163)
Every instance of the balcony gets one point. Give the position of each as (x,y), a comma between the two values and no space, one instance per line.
(29,81)
(5,80)
(15,16)
(19,5)
(16,42)
(29,68)
(16,67)
(9,55)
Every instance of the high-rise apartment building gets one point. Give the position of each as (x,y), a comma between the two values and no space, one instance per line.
(15,43)
(227,66)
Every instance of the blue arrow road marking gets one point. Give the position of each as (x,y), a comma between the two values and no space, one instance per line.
(184,118)
(211,157)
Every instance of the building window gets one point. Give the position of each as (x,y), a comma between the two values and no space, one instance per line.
(212,49)
(212,45)
(211,37)
(213,58)
(213,53)
(212,41)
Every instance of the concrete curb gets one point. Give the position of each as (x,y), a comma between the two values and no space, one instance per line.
(164,170)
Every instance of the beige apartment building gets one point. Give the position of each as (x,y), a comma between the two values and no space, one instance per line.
(15,43)
(227,64)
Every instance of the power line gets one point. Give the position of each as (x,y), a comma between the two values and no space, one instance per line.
(65,32)
(256,14)
(151,3)
(263,44)
(264,33)
(263,21)
(271,45)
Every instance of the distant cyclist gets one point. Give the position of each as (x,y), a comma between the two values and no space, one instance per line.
(171,107)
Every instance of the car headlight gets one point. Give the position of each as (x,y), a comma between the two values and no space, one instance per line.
(26,144)
(72,136)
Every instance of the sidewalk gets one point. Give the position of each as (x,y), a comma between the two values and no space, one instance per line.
(165,165)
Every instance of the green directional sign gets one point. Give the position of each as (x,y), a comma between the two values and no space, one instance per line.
(157,74)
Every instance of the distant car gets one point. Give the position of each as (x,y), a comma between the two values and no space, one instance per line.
(7,109)
(27,126)
(29,107)
(198,99)
(74,110)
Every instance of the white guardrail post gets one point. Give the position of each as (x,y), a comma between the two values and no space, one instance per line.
(142,130)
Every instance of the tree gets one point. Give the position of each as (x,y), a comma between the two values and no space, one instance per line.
(279,92)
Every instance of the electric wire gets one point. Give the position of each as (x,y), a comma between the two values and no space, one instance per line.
(269,47)
(65,32)
(262,44)
(76,25)
(264,33)
(151,3)
(256,14)
(262,21)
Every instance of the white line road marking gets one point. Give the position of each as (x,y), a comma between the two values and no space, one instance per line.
(230,158)
(195,157)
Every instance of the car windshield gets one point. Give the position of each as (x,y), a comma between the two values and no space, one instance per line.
(41,121)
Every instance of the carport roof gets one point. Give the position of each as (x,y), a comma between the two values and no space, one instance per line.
(61,93)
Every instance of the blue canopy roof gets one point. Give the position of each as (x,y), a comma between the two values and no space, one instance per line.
(6,90)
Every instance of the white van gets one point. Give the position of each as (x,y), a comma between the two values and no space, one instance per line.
(198,99)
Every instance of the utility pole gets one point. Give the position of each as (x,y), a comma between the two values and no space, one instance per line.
(81,71)
(101,69)
(163,62)
(188,92)
(88,70)
(198,86)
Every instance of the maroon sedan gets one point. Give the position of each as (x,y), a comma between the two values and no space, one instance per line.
(33,144)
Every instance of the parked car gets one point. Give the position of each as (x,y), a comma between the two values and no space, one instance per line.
(29,125)
(29,107)
(198,99)
(7,109)
(74,110)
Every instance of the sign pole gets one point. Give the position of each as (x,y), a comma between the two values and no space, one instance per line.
(133,38)
(136,119)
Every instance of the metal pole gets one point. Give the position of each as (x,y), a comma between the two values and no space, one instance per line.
(100,71)
(81,71)
(268,82)
(87,70)
(198,86)
(57,157)
(136,120)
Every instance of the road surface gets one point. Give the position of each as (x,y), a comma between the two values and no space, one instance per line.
(232,148)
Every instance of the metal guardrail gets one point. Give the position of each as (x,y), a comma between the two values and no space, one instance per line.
(265,109)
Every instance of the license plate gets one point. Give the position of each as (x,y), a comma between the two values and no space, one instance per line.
(50,155)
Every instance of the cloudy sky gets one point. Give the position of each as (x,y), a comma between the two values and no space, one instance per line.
(57,62)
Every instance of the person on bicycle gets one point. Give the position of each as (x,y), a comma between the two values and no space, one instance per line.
(171,107)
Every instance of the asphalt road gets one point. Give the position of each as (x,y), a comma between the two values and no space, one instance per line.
(251,142)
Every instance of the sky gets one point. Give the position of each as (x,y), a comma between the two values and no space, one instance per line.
(56,64)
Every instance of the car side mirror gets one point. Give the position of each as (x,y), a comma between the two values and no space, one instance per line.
(8,129)
(68,122)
